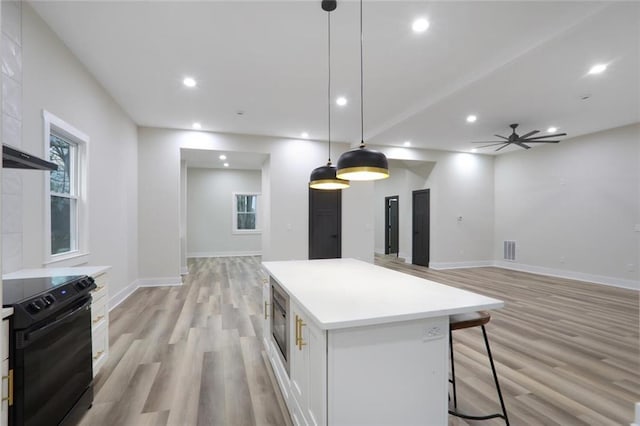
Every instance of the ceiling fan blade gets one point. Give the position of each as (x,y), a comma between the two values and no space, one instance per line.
(541,141)
(533,132)
(520,144)
(548,136)
(502,137)
(503,146)
(488,142)
(493,144)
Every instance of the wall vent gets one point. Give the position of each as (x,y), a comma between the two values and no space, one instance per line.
(509,250)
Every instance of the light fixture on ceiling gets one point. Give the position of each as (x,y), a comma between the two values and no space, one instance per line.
(420,25)
(189,82)
(407,143)
(552,129)
(304,135)
(196,126)
(474,150)
(471,118)
(362,163)
(226,164)
(341,101)
(222,157)
(598,69)
(324,177)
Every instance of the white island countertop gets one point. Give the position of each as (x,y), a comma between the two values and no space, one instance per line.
(342,293)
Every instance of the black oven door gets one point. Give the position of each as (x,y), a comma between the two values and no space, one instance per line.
(53,367)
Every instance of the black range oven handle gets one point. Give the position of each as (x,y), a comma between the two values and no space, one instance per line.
(31,335)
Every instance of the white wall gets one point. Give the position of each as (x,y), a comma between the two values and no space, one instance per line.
(573,208)
(53,79)
(287,176)
(460,185)
(401,182)
(209,221)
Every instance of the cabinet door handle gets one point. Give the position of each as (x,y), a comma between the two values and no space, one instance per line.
(300,341)
(266,309)
(9,397)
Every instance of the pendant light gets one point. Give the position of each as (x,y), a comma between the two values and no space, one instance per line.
(362,163)
(324,177)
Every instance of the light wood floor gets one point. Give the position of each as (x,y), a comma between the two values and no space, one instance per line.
(566,351)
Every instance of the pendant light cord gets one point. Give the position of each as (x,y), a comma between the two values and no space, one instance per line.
(361,84)
(329,81)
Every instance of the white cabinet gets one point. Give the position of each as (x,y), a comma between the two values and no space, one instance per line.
(100,322)
(308,368)
(7,376)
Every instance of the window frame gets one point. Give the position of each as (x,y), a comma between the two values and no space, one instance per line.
(80,232)
(234,214)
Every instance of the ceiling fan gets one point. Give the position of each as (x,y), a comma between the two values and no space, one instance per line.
(516,139)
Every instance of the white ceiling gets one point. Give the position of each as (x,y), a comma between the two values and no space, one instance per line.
(210,159)
(506,62)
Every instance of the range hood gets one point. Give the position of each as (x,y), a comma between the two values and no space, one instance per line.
(13,158)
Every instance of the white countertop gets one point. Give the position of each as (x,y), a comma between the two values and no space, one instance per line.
(7,312)
(53,272)
(341,293)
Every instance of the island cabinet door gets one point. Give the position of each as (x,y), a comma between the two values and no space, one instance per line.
(308,368)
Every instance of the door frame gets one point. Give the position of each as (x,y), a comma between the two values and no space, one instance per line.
(413,224)
(386,223)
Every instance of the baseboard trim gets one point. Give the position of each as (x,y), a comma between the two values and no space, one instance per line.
(223,254)
(579,276)
(184,270)
(123,294)
(159,282)
(461,265)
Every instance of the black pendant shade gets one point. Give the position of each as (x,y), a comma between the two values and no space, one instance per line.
(324,177)
(362,164)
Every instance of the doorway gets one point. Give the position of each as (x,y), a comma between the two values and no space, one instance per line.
(421,206)
(391,240)
(325,224)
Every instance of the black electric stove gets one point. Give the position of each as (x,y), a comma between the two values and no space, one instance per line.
(50,351)
(36,299)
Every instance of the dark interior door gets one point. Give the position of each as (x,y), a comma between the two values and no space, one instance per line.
(420,254)
(325,224)
(391,225)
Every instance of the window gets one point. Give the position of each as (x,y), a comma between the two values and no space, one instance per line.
(245,213)
(66,235)
(64,194)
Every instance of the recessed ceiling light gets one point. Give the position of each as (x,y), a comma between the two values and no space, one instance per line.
(226,164)
(189,82)
(598,69)
(420,25)
(342,101)
(552,129)
(471,118)
(474,149)
(222,157)
(407,143)
(196,126)
(304,135)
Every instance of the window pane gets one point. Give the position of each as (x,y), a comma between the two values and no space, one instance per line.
(62,224)
(60,153)
(251,203)
(246,221)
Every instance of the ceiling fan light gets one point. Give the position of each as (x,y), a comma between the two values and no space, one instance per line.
(362,164)
(324,177)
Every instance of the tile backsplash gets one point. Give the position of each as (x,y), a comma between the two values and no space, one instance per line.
(11,75)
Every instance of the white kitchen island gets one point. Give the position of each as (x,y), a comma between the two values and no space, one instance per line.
(368,345)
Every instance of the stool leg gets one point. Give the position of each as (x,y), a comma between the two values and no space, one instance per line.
(453,371)
(495,376)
